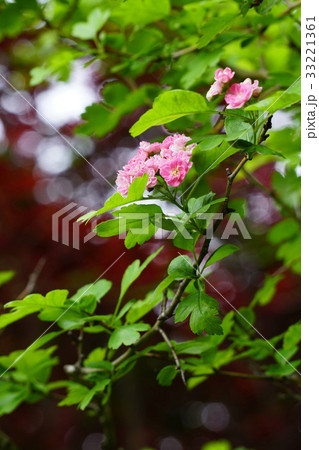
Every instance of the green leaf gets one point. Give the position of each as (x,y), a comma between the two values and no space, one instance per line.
(279,100)
(134,271)
(203,311)
(211,141)
(214,27)
(53,301)
(143,220)
(206,160)
(283,230)
(140,12)
(11,396)
(236,127)
(76,393)
(195,346)
(266,6)
(221,252)
(114,227)
(139,234)
(181,267)
(169,106)
(292,336)
(45,339)
(218,445)
(246,319)
(30,366)
(146,208)
(197,65)
(127,335)
(182,242)
(166,375)
(101,119)
(6,276)
(135,193)
(99,387)
(263,150)
(142,307)
(265,294)
(96,355)
(88,30)
(98,290)
(282,370)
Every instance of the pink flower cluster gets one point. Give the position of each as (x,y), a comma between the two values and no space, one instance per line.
(238,93)
(170,159)
(221,77)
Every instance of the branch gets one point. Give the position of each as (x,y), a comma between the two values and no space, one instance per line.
(164,301)
(289,9)
(155,328)
(177,361)
(230,179)
(32,279)
(169,311)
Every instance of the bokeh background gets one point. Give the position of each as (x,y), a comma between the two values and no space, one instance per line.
(40,173)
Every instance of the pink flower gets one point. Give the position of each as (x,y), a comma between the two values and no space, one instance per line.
(238,94)
(136,167)
(150,148)
(171,159)
(152,180)
(154,162)
(215,89)
(123,182)
(174,170)
(224,76)
(168,141)
(138,159)
(221,77)
(175,144)
(256,88)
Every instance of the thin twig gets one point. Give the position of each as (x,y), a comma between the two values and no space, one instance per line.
(164,301)
(230,179)
(176,359)
(32,279)
(80,349)
(289,9)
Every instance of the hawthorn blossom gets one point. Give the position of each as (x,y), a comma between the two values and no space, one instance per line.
(177,143)
(174,170)
(150,148)
(123,182)
(255,86)
(215,89)
(222,77)
(170,159)
(238,94)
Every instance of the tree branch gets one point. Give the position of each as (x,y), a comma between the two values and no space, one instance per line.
(176,359)
(169,311)
(32,279)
